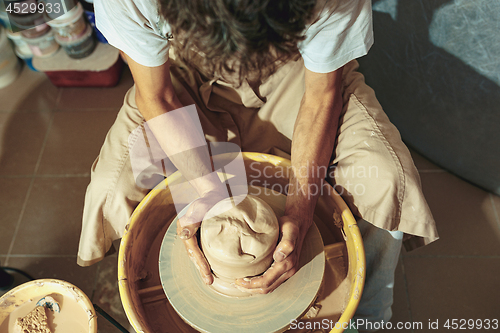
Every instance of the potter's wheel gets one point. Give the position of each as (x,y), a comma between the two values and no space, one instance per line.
(207,311)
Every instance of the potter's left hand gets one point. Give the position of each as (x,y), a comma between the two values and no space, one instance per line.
(188,225)
(286,258)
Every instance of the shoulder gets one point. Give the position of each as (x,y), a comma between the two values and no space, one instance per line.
(135,27)
(336,12)
(340,31)
(140,11)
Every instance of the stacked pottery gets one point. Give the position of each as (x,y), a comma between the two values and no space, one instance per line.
(73,33)
(36,33)
(21,48)
(9,64)
(19,43)
(41,43)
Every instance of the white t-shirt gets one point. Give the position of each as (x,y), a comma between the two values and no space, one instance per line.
(337,37)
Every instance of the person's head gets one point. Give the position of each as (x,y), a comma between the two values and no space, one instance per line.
(257,34)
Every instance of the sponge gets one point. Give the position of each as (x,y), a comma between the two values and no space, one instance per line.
(33,322)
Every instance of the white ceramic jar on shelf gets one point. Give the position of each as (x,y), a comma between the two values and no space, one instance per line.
(9,64)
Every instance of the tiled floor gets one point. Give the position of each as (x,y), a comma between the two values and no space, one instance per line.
(49,137)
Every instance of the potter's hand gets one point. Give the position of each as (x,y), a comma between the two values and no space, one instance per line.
(188,225)
(286,258)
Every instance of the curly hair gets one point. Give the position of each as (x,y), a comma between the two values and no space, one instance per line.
(237,38)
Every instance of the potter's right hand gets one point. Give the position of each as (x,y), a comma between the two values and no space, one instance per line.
(188,225)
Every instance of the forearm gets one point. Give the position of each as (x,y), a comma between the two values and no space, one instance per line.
(312,146)
(179,135)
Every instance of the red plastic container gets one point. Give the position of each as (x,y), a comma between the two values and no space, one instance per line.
(102,68)
(107,78)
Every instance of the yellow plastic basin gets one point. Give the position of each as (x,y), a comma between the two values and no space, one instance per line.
(144,301)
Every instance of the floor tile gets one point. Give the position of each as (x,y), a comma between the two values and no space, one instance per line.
(96,98)
(32,91)
(21,140)
(107,297)
(62,268)
(105,326)
(12,196)
(447,288)
(74,141)
(422,163)
(52,221)
(463,215)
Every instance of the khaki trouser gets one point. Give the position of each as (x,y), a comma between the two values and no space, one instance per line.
(370,167)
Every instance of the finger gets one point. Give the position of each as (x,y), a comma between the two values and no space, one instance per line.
(270,277)
(290,233)
(272,287)
(188,224)
(199,260)
(187,227)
